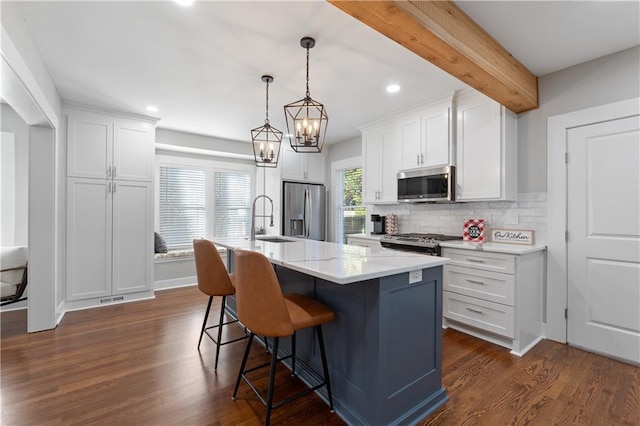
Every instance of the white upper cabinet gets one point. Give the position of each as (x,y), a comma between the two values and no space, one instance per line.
(89,145)
(486,149)
(102,146)
(380,167)
(302,166)
(425,137)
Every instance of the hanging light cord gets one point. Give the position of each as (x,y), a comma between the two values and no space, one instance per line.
(308,94)
(266,120)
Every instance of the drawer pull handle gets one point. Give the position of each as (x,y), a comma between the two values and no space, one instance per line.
(476,311)
(475,282)
(475,260)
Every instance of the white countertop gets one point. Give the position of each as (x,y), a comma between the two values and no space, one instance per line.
(495,247)
(339,263)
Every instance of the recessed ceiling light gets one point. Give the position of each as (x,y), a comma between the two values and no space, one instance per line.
(393,88)
(151,108)
(184,2)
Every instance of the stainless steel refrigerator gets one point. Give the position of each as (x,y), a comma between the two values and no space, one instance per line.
(303,210)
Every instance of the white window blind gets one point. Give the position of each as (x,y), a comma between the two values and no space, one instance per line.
(232,203)
(182,209)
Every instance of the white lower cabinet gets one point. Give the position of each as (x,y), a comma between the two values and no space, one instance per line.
(109,238)
(495,296)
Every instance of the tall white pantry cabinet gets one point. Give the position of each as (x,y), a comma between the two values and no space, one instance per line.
(110,170)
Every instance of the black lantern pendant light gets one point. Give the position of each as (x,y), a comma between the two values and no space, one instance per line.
(306,119)
(266,139)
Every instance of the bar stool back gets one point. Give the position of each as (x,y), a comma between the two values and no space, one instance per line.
(265,311)
(213,280)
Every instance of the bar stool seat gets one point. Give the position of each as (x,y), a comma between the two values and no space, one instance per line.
(214,280)
(266,312)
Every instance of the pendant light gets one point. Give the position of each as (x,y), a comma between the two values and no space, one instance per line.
(306,119)
(266,139)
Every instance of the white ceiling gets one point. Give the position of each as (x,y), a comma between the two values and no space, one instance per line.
(202,65)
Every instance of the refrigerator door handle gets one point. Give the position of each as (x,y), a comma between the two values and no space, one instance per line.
(310,214)
(307,212)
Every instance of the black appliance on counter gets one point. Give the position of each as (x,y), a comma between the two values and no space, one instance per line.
(379,224)
(420,243)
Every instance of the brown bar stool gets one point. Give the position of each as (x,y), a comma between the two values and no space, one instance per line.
(213,280)
(266,312)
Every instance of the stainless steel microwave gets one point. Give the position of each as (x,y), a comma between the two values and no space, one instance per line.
(427,185)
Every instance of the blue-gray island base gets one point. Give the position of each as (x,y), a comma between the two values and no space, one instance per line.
(384,350)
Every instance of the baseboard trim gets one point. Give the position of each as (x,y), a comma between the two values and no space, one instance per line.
(175,283)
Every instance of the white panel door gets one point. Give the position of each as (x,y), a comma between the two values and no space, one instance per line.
(132,237)
(88,238)
(388,167)
(133,151)
(603,208)
(89,145)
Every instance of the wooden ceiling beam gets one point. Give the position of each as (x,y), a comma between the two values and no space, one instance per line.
(441,33)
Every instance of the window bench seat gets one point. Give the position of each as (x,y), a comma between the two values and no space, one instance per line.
(173,254)
(177,268)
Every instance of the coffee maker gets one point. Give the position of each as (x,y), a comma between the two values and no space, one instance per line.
(379,224)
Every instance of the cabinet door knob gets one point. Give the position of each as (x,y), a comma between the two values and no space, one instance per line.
(475,311)
(114,171)
(109,187)
(109,171)
(418,159)
(421,158)
(475,282)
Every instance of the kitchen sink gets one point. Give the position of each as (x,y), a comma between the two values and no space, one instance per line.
(274,239)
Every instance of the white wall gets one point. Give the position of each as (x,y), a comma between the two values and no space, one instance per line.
(17,232)
(601,81)
(209,143)
(32,93)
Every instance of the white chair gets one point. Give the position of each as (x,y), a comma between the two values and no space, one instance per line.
(13,274)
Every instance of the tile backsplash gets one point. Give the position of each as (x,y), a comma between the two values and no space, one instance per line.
(528,212)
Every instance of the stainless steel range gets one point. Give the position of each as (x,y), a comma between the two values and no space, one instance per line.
(422,243)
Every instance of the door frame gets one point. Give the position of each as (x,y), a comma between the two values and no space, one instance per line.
(335,197)
(24,94)
(557,219)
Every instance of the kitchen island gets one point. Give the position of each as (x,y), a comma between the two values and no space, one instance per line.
(385,348)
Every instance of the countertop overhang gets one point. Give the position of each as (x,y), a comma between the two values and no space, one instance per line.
(338,263)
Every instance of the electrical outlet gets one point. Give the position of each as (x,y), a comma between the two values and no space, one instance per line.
(415,276)
(511,219)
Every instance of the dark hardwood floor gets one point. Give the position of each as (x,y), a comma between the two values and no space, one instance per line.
(138,364)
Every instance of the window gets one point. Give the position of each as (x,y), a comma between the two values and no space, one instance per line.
(232,204)
(351,211)
(199,198)
(182,209)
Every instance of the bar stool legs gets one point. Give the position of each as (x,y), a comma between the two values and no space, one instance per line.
(325,369)
(205,330)
(204,323)
(268,402)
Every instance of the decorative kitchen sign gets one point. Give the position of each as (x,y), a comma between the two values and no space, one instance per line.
(512,236)
(473,230)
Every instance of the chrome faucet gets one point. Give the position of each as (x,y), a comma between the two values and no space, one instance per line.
(253,215)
